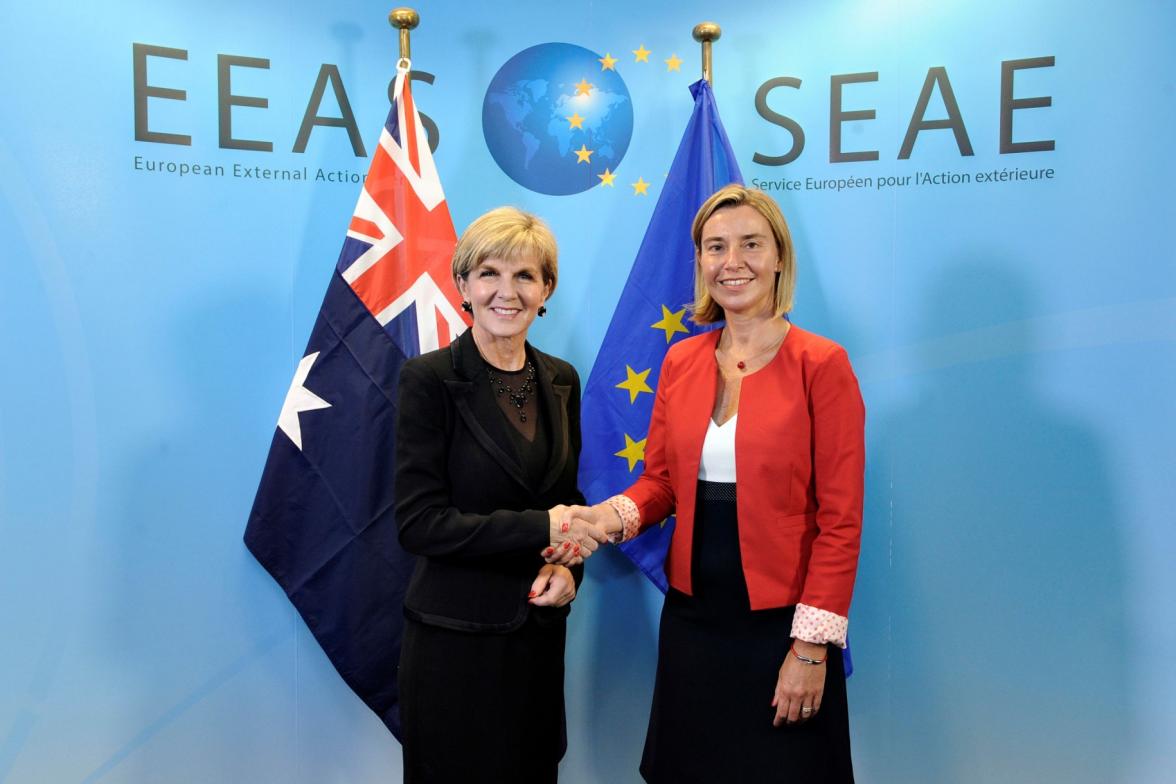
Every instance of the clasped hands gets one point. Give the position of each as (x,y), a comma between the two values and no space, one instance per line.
(576,532)
(575,535)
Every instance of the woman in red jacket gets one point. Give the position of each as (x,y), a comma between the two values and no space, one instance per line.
(756,443)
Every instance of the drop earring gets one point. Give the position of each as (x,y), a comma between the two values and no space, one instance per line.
(466,306)
(542,311)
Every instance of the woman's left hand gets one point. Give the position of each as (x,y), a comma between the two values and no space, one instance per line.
(554,587)
(800,686)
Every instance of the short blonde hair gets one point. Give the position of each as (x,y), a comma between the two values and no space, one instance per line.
(507,233)
(704,308)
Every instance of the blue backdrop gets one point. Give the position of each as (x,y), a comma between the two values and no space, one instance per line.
(1011,314)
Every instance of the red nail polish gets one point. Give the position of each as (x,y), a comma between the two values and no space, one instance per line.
(577,550)
(549,551)
(564,528)
(567,545)
(531,595)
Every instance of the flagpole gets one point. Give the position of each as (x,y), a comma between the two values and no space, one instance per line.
(404,20)
(707,33)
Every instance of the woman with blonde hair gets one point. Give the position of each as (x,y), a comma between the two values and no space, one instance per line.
(487,450)
(756,443)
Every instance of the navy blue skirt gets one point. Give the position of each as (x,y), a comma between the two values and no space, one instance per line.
(717,667)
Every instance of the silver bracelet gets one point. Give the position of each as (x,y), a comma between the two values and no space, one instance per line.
(806,659)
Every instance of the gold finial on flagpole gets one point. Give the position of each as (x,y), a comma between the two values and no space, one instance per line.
(706,33)
(404,19)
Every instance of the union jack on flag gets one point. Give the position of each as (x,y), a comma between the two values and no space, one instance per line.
(322,522)
(400,242)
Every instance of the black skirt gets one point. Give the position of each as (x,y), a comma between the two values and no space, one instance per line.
(483,707)
(717,667)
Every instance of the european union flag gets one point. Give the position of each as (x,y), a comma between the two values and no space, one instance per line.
(650,315)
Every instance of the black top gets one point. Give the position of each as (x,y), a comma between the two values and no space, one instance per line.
(519,402)
(467,500)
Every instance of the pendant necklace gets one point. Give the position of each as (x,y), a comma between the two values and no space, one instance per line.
(742,363)
(519,397)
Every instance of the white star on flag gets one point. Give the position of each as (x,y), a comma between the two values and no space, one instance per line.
(299,399)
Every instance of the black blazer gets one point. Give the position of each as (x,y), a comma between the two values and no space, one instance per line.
(463,503)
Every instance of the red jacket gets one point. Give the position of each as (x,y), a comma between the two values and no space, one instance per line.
(799,459)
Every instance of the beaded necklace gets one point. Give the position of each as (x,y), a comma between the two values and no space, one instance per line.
(518,397)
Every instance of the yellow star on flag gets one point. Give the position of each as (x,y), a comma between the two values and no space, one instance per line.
(583,155)
(575,121)
(635,383)
(607,178)
(640,188)
(633,451)
(583,87)
(670,322)
(607,62)
(674,63)
(641,54)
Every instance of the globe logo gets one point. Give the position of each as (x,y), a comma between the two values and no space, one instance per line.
(555,118)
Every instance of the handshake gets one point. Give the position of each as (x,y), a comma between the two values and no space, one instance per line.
(576,532)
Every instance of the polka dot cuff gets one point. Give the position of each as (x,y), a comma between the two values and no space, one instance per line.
(630,516)
(819,626)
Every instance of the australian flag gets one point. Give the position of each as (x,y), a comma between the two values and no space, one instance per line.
(650,315)
(322,523)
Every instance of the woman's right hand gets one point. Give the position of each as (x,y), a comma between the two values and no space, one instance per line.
(573,536)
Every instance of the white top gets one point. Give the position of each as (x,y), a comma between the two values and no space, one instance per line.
(718,452)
